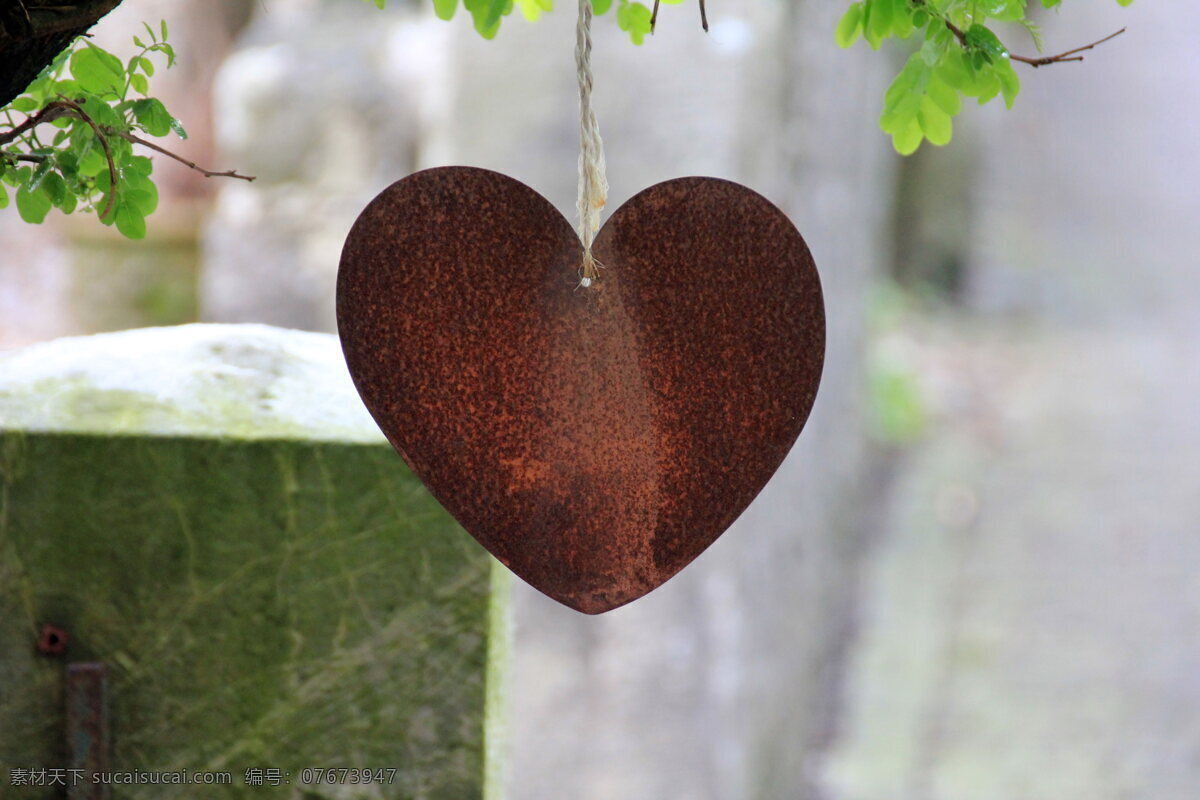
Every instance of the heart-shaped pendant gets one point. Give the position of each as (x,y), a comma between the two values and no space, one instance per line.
(595,438)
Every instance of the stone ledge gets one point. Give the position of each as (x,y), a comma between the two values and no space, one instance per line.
(226,381)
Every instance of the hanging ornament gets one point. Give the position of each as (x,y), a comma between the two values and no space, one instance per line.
(597,406)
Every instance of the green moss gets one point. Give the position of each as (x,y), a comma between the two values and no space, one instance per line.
(235,411)
(226,381)
(280,604)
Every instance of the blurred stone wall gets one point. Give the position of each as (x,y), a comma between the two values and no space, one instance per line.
(1028,624)
(326,102)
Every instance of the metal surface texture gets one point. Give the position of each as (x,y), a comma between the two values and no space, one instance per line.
(597,438)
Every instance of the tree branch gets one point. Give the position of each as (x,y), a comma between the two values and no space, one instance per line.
(60,109)
(208,173)
(1039,61)
(112,167)
(1067,56)
(51,112)
(65,107)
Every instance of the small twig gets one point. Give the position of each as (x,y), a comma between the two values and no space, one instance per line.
(51,112)
(208,173)
(654,16)
(1067,56)
(1039,61)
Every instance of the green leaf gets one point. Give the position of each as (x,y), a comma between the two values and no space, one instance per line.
(981,38)
(139,84)
(165,36)
(144,201)
(445,8)
(849,27)
(177,126)
(24,105)
(486,14)
(33,206)
(1010,83)
(169,51)
(152,115)
(902,21)
(877,21)
(130,222)
(601,6)
(40,173)
(140,165)
(532,9)
(93,163)
(98,71)
(954,71)
(66,88)
(101,113)
(1004,10)
(147,66)
(908,138)
(3,196)
(1035,33)
(634,19)
(945,97)
(935,123)
(54,186)
(924,97)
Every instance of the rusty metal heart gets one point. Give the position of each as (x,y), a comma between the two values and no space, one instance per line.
(597,438)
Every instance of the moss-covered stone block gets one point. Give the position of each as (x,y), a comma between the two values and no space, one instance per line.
(208,511)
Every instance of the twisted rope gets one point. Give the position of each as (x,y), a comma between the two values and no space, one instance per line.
(593,185)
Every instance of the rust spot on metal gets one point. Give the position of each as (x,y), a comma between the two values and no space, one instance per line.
(88,730)
(52,640)
(595,439)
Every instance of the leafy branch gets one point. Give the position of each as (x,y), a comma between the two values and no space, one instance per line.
(97,116)
(1036,61)
(960,57)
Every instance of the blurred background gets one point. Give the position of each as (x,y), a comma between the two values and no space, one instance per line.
(976,576)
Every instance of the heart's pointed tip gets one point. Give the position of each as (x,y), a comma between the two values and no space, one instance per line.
(594,604)
(591,608)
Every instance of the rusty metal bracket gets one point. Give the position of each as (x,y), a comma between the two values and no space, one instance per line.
(88,731)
